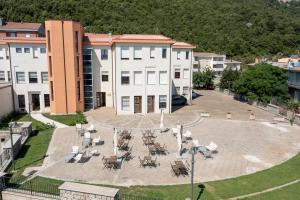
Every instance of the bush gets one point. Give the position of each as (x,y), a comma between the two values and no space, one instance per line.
(204,79)
(228,78)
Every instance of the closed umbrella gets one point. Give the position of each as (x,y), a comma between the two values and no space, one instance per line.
(179,140)
(116,142)
(161,121)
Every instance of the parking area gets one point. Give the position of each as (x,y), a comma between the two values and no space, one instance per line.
(244,146)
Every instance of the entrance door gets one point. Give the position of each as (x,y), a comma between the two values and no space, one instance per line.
(98,99)
(35,102)
(150,104)
(137,104)
(103,99)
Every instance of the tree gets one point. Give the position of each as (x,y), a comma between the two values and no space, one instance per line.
(228,78)
(204,79)
(263,82)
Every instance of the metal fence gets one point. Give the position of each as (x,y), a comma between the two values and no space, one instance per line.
(124,196)
(31,187)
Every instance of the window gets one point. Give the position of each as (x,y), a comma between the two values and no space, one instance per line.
(46,100)
(125,78)
(8,76)
(2,76)
(164,53)
(76,41)
(78,65)
(187,55)
(138,78)
(18,50)
(178,55)
(20,77)
(152,52)
(44,76)
(33,77)
(125,103)
(185,90)
(162,101)
(51,91)
(151,79)
(125,53)
(42,50)
(137,53)
(104,76)
(50,65)
(21,101)
(27,35)
(177,90)
(163,78)
(11,35)
(48,41)
(35,52)
(78,90)
(104,54)
(186,73)
(177,73)
(218,66)
(26,50)
(2,51)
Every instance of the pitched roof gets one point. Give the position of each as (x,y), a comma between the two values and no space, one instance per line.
(24,40)
(143,38)
(183,45)
(207,54)
(21,26)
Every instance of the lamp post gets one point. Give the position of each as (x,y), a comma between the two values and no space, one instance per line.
(11,125)
(193,151)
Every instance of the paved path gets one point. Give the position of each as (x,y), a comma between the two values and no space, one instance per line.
(45,120)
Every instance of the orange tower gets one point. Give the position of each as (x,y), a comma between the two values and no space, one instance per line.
(64,54)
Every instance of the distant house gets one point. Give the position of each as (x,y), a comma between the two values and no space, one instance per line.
(232,64)
(212,61)
(294,80)
(20,29)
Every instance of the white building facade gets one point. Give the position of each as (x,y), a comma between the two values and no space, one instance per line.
(211,61)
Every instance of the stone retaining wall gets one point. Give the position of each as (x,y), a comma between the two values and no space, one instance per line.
(73,195)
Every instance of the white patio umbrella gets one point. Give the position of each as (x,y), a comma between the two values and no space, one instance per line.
(179,140)
(115,142)
(161,126)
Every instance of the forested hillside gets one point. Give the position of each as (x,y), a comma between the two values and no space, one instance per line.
(235,27)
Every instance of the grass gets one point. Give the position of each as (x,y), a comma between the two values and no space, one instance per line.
(291,192)
(70,120)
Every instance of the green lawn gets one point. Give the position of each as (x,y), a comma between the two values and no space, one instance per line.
(291,192)
(70,120)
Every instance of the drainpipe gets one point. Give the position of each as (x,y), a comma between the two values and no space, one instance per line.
(64,54)
(11,78)
(170,81)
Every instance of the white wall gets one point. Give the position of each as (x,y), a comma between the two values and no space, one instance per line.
(100,66)
(4,62)
(156,64)
(25,62)
(6,97)
(182,63)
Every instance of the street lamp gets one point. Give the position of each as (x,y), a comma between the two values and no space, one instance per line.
(193,151)
(11,126)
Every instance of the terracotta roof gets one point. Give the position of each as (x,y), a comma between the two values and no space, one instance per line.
(21,26)
(143,38)
(207,54)
(183,45)
(98,39)
(24,40)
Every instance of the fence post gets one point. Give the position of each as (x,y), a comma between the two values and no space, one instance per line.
(30,187)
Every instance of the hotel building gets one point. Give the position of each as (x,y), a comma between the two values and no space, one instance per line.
(61,69)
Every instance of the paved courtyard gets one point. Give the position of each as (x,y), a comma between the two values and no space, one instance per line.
(244,146)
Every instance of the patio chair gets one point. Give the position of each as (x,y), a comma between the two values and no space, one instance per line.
(78,157)
(124,145)
(205,152)
(142,162)
(174,131)
(212,147)
(153,162)
(97,140)
(91,129)
(187,135)
(127,156)
(75,149)
(87,135)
